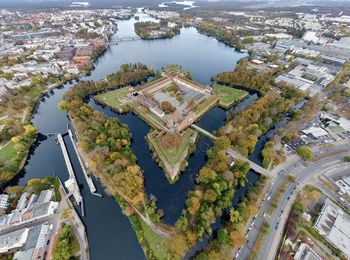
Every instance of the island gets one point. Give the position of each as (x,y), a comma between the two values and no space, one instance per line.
(152,30)
(105,144)
(171,104)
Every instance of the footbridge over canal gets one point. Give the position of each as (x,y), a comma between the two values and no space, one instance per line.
(235,155)
(203,131)
(255,167)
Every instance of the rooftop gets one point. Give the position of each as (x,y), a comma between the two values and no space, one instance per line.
(334,225)
(305,252)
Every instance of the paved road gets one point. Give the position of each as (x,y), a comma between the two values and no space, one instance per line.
(302,172)
(280,217)
(342,169)
(276,183)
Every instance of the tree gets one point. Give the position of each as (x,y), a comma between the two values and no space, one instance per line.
(179,245)
(222,237)
(63,105)
(210,195)
(181,224)
(297,207)
(304,152)
(248,40)
(194,205)
(64,247)
(170,140)
(346,159)
(14,190)
(168,107)
(222,143)
(237,238)
(235,217)
(206,175)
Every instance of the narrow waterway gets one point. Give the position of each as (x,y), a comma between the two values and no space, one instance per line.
(170,198)
(110,234)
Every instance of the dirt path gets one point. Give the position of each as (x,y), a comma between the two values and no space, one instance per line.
(157,229)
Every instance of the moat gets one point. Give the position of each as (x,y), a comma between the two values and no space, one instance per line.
(109,232)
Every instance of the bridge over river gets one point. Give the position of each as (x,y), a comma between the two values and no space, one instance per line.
(257,168)
(203,131)
(117,40)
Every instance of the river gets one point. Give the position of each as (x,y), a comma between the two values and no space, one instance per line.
(110,234)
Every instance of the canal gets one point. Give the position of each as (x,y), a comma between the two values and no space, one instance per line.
(110,234)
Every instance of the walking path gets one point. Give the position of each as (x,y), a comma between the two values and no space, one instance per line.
(253,165)
(73,181)
(203,131)
(157,229)
(5,145)
(87,177)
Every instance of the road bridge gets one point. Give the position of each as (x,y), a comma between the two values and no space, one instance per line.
(255,167)
(117,40)
(203,131)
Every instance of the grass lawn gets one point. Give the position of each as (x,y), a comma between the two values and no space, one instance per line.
(227,95)
(35,93)
(155,117)
(8,152)
(153,82)
(172,155)
(114,98)
(205,105)
(168,88)
(158,245)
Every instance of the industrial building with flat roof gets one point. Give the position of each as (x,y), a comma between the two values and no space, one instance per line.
(334,224)
(305,252)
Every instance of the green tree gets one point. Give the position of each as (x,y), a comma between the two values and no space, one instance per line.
(346,159)
(181,224)
(304,152)
(64,247)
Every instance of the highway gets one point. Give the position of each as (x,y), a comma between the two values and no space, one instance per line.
(325,158)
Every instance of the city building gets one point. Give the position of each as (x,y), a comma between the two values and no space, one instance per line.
(30,208)
(344,185)
(26,243)
(305,252)
(3,203)
(334,224)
